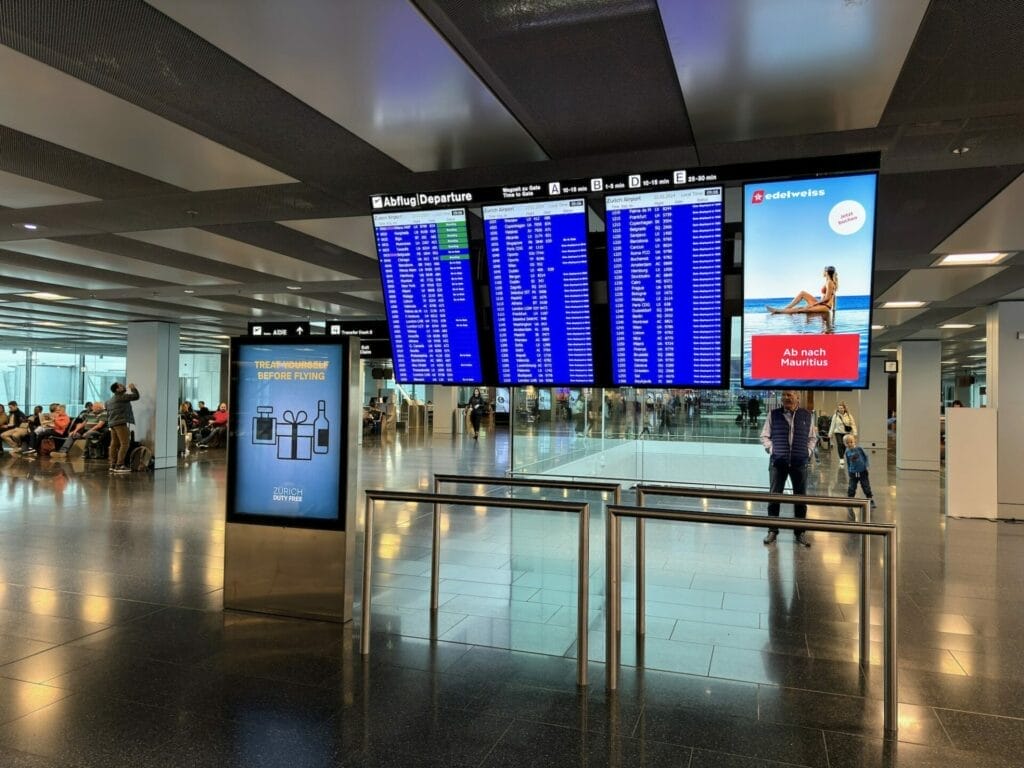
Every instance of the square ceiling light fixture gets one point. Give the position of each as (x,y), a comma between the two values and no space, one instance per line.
(969,259)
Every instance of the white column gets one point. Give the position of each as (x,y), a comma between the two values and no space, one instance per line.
(446,400)
(871,408)
(918,389)
(1005,374)
(153,368)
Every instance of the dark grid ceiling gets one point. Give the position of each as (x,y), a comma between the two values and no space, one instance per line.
(210,163)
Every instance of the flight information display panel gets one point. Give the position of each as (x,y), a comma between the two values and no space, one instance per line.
(540,292)
(665,287)
(428,291)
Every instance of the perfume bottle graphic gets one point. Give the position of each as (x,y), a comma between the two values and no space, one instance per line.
(264,426)
(321,429)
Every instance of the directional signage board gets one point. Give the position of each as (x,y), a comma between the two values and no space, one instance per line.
(296,330)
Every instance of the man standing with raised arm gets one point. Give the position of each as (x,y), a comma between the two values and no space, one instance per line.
(119,416)
(789,438)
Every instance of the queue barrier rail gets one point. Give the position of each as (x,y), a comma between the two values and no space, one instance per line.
(580,508)
(760,497)
(613,580)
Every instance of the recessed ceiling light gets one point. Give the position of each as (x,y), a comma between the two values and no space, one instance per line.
(977,357)
(50,324)
(949,362)
(983,338)
(961,150)
(889,349)
(970,259)
(28,226)
(877,327)
(294,287)
(45,296)
(903,304)
(189,290)
(953,326)
(100,322)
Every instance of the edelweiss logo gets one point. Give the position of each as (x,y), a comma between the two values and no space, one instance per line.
(760,196)
(757,197)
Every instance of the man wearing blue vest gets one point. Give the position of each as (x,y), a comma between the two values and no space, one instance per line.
(789,437)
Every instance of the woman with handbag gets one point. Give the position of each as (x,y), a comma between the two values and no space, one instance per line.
(843,424)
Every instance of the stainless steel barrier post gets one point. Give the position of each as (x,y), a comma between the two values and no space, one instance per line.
(581,508)
(885,530)
(612,600)
(642,491)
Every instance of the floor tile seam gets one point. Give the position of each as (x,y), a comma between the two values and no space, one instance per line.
(483,760)
(938,710)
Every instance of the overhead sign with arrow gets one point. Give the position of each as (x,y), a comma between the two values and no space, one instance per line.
(296,330)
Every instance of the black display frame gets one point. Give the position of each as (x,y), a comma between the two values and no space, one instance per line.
(232,515)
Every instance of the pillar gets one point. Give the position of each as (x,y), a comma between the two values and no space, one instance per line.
(1005,372)
(918,391)
(446,400)
(871,408)
(153,368)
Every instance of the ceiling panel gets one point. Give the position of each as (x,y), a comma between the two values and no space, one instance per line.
(240,254)
(99,260)
(21,192)
(741,82)
(381,71)
(118,132)
(999,226)
(936,284)
(352,232)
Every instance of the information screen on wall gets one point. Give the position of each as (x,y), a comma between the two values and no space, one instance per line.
(287,432)
(808,260)
(665,288)
(428,293)
(540,291)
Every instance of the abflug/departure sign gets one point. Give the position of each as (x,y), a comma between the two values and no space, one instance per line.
(665,287)
(808,258)
(287,434)
(428,291)
(540,291)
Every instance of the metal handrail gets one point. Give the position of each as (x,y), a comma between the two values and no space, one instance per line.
(644,490)
(513,482)
(582,508)
(613,577)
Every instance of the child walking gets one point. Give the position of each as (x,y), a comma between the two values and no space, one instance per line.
(857,467)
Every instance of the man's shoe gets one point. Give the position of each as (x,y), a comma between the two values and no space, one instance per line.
(842,463)
(122,470)
(771,537)
(802,540)
(873,503)
(28,451)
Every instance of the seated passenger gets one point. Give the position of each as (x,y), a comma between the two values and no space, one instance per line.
(219,428)
(93,427)
(55,427)
(14,429)
(202,415)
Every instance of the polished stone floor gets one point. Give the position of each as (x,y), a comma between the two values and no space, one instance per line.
(115,649)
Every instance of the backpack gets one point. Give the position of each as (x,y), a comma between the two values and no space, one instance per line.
(47,446)
(140,459)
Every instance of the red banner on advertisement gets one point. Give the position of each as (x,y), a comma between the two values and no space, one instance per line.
(827,356)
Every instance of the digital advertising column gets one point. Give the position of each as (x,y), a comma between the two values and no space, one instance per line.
(808,259)
(289,504)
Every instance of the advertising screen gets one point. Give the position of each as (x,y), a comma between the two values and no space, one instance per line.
(665,288)
(287,433)
(428,292)
(540,291)
(808,250)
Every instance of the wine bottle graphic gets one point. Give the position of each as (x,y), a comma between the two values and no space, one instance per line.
(321,429)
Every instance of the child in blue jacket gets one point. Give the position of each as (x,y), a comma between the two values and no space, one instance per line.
(857,467)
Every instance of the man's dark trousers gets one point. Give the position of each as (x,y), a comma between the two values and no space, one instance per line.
(797,474)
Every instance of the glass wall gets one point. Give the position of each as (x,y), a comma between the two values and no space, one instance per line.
(672,435)
(199,379)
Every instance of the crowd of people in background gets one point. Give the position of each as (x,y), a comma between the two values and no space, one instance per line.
(202,428)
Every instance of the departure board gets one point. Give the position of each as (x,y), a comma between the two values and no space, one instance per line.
(428,292)
(665,287)
(540,292)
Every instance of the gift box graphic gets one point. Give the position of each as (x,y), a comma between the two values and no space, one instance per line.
(294,437)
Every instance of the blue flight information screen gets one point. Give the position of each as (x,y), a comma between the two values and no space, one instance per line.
(540,291)
(428,291)
(665,287)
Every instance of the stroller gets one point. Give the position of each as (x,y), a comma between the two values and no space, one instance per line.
(824,438)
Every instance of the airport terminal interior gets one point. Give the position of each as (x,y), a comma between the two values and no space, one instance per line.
(174,171)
